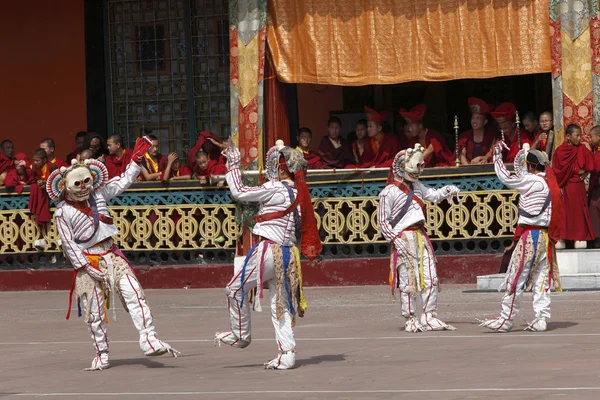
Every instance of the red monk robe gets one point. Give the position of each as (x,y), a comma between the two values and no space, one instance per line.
(182,171)
(313,159)
(476,149)
(441,156)
(72,155)
(513,145)
(59,163)
(380,152)
(213,168)
(336,157)
(568,161)
(39,201)
(20,175)
(202,143)
(116,166)
(594,194)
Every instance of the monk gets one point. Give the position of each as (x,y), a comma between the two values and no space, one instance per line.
(50,148)
(153,163)
(20,175)
(505,116)
(572,163)
(358,144)
(304,138)
(437,153)
(380,147)
(475,146)
(544,138)
(594,191)
(174,171)
(118,158)
(204,167)
(79,140)
(403,135)
(209,143)
(335,151)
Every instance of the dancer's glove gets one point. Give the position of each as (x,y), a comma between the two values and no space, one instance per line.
(401,246)
(451,190)
(142,145)
(95,273)
(233,156)
(499,148)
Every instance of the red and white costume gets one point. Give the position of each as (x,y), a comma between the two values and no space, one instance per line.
(401,218)
(533,263)
(274,260)
(101,271)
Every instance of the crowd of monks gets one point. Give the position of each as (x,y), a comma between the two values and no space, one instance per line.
(371,144)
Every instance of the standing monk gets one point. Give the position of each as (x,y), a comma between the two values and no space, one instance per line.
(505,115)
(572,163)
(380,148)
(594,191)
(475,145)
(437,153)
(544,138)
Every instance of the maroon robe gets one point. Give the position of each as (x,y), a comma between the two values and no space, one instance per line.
(15,182)
(313,159)
(116,166)
(214,154)
(442,156)
(213,168)
(594,195)
(567,162)
(333,157)
(509,155)
(382,156)
(466,141)
(72,155)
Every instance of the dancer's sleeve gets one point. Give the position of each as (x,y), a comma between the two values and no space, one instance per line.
(71,249)
(250,194)
(435,195)
(384,214)
(515,182)
(120,183)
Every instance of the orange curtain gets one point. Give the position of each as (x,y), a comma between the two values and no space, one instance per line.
(362,42)
(277,125)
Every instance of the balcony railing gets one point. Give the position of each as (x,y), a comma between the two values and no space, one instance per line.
(188,223)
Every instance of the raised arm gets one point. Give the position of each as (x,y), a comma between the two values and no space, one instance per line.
(516,181)
(239,191)
(119,184)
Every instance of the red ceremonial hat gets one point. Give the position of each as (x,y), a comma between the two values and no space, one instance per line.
(415,114)
(504,112)
(375,116)
(478,106)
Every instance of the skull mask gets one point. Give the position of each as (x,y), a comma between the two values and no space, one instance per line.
(78,183)
(413,163)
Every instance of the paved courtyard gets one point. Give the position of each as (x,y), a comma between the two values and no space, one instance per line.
(349,347)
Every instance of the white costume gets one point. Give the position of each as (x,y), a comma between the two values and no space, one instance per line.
(413,264)
(101,271)
(533,263)
(275,259)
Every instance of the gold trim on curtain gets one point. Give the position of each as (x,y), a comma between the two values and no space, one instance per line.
(362,42)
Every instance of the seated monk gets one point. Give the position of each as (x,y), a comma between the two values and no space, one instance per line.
(79,140)
(50,147)
(403,136)
(118,158)
(359,140)
(210,144)
(380,147)
(437,153)
(5,165)
(505,115)
(174,171)
(304,139)
(475,146)
(335,152)
(544,138)
(20,175)
(572,163)
(153,163)
(204,167)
